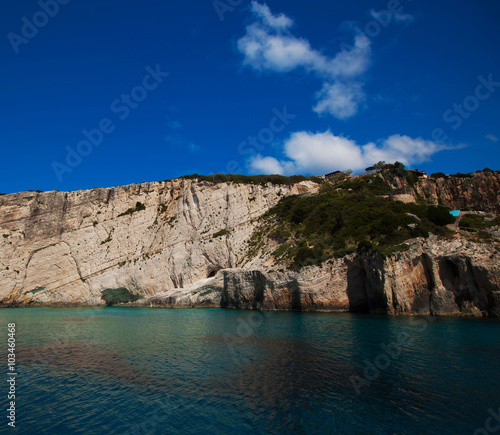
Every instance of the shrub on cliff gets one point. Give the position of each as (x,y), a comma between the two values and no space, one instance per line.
(374,185)
(479,222)
(252,179)
(336,222)
(440,215)
(220,233)
(437,175)
(139,206)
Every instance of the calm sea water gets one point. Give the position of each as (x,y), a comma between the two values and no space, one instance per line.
(140,371)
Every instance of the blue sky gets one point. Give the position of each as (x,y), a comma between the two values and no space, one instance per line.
(164,89)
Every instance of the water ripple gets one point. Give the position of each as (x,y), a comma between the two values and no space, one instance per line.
(144,371)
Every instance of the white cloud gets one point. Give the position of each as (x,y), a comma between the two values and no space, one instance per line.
(266,165)
(339,100)
(319,153)
(268,45)
(492,137)
(352,62)
(267,48)
(280,21)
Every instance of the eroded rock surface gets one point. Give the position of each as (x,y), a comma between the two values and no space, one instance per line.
(70,247)
(183,243)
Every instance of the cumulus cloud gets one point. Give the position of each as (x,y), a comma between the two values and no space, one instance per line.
(280,21)
(339,100)
(266,165)
(319,153)
(269,45)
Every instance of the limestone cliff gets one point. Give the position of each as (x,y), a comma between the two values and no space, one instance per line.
(432,277)
(184,243)
(131,241)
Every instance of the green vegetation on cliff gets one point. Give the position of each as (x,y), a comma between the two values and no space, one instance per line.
(479,224)
(139,206)
(355,215)
(438,175)
(252,179)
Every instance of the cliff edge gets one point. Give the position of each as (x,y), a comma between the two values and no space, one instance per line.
(191,242)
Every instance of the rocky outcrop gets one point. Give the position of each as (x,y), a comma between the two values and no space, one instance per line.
(112,245)
(478,191)
(184,243)
(434,277)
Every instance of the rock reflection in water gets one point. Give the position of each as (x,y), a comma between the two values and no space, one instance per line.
(82,358)
(278,370)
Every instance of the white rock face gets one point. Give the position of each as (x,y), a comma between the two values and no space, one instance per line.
(183,243)
(69,247)
(446,277)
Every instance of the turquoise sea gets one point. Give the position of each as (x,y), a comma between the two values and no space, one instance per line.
(144,371)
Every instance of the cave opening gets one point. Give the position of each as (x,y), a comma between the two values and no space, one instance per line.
(212,273)
(113,296)
(357,289)
(450,276)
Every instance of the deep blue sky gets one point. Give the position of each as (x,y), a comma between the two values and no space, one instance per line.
(225,81)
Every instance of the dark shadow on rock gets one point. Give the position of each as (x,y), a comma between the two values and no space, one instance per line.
(118,296)
(244,289)
(294,288)
(365,284)
(422,301)
(450,275)
(357,288)
(459,280)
